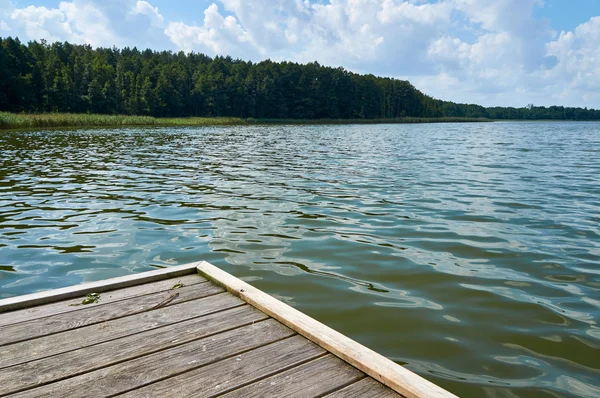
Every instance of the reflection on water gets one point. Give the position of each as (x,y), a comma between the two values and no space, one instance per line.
(467,252)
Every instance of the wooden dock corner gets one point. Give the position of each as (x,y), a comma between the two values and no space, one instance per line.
(189,330)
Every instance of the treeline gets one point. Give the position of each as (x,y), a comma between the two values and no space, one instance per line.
(61,77)
(450,109)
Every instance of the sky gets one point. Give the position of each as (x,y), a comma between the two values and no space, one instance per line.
(489,52)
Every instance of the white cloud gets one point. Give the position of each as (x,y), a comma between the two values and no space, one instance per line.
(101,23)
(578,68)
(218,35)
(145,8)
(44,23)
(507,65)
(262,19)
(402,11)
(369,35)
(88,20)
(482,51)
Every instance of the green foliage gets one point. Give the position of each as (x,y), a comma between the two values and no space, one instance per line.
(74,79)
(90,298)
(51,120)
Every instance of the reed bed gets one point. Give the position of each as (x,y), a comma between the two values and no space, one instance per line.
(12,121)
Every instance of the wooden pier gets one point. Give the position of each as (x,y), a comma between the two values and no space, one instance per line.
(185,331)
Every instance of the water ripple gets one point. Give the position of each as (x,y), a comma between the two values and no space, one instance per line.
(467,252)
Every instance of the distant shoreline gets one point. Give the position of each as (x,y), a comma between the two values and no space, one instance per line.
(546,120)
(20,121)
(13,121)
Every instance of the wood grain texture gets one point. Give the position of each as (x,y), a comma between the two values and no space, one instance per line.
(231,373)
(55,368)
(375,365)
(43,347)
(365,388)
(50,296)
(311,379)
(161,365)
(91,315)
(141,340)
(59,307)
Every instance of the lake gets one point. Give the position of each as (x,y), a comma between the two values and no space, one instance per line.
(468,252)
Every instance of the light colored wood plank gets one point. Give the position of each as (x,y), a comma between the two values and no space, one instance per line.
(50,296)
(366,387)
(375,365)
(59,307)
(36,373)
(158,366)
(43,347)
(308,380)
(91,315)
(231,373)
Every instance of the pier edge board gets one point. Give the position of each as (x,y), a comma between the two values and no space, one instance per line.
(377,366)
(50,296)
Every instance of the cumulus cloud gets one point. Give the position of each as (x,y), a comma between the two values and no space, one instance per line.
(145,8)
(85,18)
(578,63)
(100,23)
(44,23)
(218,35)
(483,51)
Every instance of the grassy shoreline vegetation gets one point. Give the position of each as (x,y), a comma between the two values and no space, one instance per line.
(12,121)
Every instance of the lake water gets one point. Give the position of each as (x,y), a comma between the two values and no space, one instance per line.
(468,252)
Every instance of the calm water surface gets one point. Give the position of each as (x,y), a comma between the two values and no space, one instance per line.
(468,252)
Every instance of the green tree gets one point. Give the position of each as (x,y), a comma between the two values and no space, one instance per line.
(38,76)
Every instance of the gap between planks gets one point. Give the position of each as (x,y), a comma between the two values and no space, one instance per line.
(74,363)
(367,387)
(47,346)
(91,315)
(391,374)
(382,369)
(111,296)
(317,377)
(163,365)
(235,371)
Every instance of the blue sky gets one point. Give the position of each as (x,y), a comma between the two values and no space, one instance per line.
(492,52)
(563,14)
(568,14)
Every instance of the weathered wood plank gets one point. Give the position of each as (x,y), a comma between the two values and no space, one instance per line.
(59,307)
(158,366)
(366,387)
(43,347)
(35,373)
(192,347)
(308,380)
(50,296)
(231,373)
(375,365)
(91,315)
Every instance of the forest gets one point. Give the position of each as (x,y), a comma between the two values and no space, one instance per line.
(61,77)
